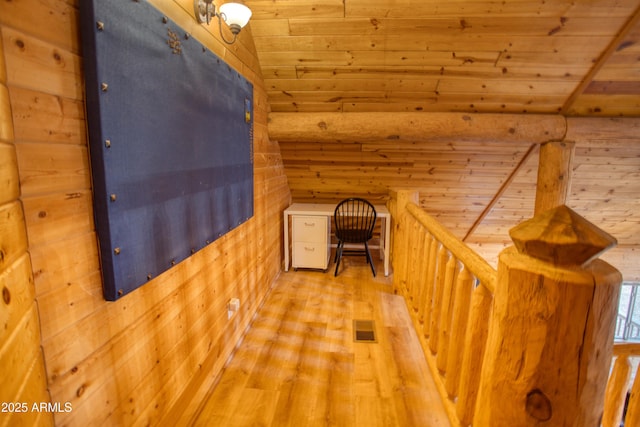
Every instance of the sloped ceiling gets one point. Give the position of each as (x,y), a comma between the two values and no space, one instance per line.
(578,58)
(572,56)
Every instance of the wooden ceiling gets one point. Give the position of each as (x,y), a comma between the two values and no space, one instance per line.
(576,58)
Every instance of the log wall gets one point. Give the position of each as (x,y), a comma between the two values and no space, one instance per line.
(150,357)
(23,373)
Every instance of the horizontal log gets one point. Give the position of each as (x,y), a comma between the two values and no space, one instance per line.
(626,349)
(325,127)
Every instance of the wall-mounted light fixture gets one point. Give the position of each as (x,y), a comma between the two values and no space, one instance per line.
(235,15)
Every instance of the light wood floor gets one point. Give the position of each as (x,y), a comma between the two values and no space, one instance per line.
(299,366)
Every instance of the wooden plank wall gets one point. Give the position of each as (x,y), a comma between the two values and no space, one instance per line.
(21,362)
(329,172)
(604,187)
(607,163)
(149,358)
(479,189)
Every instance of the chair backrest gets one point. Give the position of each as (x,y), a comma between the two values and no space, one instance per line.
(354,219)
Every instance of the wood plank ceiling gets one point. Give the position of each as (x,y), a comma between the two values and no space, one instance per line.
(578,58)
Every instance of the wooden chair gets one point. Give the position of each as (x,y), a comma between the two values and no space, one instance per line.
(354,221)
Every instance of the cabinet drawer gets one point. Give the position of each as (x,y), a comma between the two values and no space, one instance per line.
(310,229)
(310,255)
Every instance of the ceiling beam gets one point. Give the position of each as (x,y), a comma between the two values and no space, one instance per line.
(370,127)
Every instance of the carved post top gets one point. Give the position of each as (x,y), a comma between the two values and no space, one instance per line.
(561,236)
(401,196)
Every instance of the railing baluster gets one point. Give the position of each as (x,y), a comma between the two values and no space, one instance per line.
(427,296)
(445,315)
(474,345)
(616,392)
(406,259)
(633,410)
(436,306)
(423,267)
(417,251)
(463,291)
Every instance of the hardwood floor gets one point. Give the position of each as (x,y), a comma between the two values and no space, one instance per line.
(298,365)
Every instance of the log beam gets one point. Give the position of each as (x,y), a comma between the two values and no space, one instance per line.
(554,175)
(361,127)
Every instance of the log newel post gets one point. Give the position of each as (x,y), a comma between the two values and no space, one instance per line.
(554,174)
(551,331)
(398,208)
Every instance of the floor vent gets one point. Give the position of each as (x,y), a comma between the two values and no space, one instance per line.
(364,331)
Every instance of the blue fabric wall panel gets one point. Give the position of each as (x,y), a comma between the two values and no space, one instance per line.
(177,170)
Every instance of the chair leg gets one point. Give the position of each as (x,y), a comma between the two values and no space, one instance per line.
(338,257)
(373,268)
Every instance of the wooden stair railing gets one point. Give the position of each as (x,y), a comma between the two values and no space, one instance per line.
(618,387)
(527,343)
(449,291)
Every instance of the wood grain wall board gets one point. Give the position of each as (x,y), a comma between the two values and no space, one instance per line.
(6,124)
(351,101)
(46,167)
(17,299)
(19,352)
(56,216)
(604,106)
(37,64)
(21,357)
(530,25)
(364,58)
(566,61)
(435,42)
(10,189)
(456,7)
(479,71)
(61,18)
(267,9)
(511,86)
(33,394)
(50,126)
(603,132)
(525,94)
(71,303)
(436,105)
(619,73)
(621,59)
(41,117)
(371,84)
(64,261)
(613,88)
(12,229)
